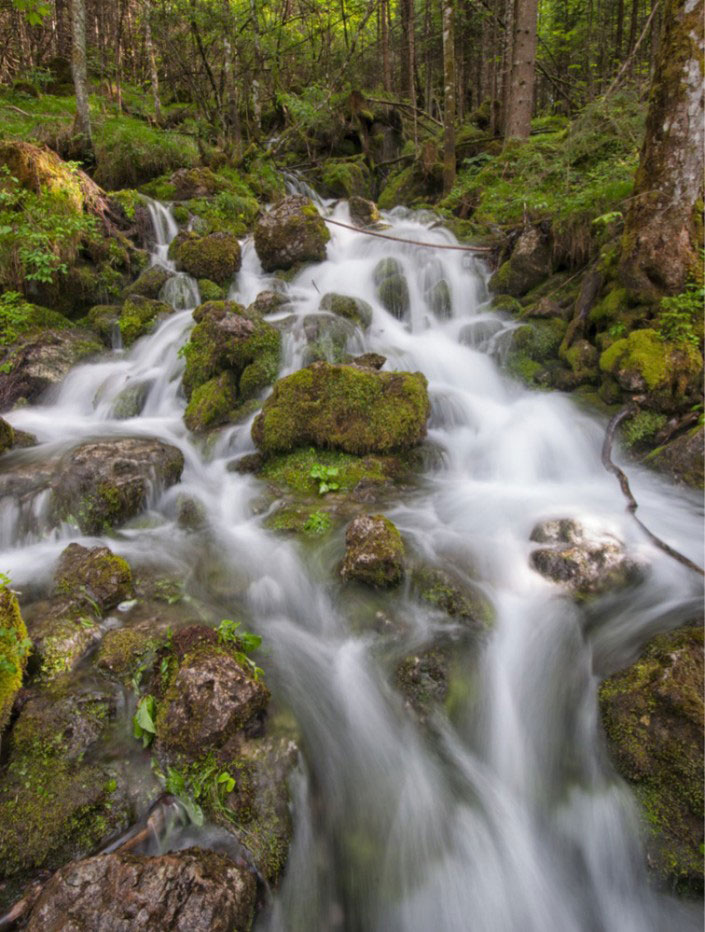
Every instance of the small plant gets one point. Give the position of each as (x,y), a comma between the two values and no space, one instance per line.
(326,476)
(617,331)
(143,727)
(678,315)
(202,782)
(245,642)
(318,522)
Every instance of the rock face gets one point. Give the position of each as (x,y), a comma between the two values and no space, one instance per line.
(652,713)
(392,289)
(185,891)
(292,232)
(346,408)
(528,265)
(231,356)
(586,563)
(353,309)
(42,361)
(682,458)
(374,552)
(216,257)
(102,484)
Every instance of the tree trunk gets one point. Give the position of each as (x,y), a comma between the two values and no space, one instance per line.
(386,64)
(256,89)
(80,79)
(153,73)
(521,86)
(659,247)
(63,31)
(448,95)
(505,76)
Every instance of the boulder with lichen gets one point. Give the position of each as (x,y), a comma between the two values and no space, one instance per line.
(292,232)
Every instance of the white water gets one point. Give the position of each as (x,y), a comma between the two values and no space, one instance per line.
(508,816)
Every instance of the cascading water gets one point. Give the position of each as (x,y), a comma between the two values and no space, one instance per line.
(507,816)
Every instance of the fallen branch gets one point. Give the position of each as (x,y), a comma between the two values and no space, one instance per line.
(410,242)
(632,505)
(402,105)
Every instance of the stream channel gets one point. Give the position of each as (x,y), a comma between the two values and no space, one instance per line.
(505,816)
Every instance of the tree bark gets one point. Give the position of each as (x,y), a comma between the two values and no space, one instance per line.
(80,79)
(505,76)
(153,73)
(448,95)
(63,31)
(521,86)
(386,64)
(660,242)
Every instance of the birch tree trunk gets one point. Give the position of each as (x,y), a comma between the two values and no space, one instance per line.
(82,123)
(660,242)
(521,85)
(448,95)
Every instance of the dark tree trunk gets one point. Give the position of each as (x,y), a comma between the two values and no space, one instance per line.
(521,87)
(80,80)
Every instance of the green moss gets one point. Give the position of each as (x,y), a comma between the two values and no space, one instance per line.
(292,471)
(353,309)
(7,436)
(129,200)
(533,346)
(343,407)
(14,648)
(609,309)
(438,588)
(645,359)
(123,651)
(641,429)
(505,302)
(150,282)
(227,212)
(215,256)
(209,291)
(346,177)
(138,317)
(211,403)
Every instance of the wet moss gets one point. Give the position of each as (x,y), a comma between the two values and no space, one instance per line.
(123,651)
(14,649)
(374,554)
(215,256)
(139,315)
(343,407)
(209,291)
(7,436)
(211,403)
(353,309)
(439,589)
(292,471)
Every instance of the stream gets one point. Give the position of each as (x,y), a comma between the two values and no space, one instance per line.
(505,816)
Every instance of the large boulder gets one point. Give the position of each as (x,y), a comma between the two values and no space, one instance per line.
(292,232)
(652,714)
(392,289)
(585,562)
(183,891)
(216,257)
(231,356)
(101,484)
(529,264)
(347,408)
(364,213)
(682,458)
(352,309)
(41,361)
(374,552)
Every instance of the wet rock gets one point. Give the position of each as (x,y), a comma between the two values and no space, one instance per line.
(216,257)
(422,679)
(392,289)
(585,562)
(97,573)
(14,650)
(105,320)
(343,407)
(533,350)
(327,337)
(150,282)
(479,333)
(104,483)
(652,714)
(456,598)
(682,458)
(439,299)
(7,436)
(529,264)
(185,891)
(62,630)
(209,698)
(292,232)
(139,315)
(131,400)
(41,361)
(352,309)
(268,302)
(369,361)
(123,651)
(196,182)
(230,358)
(374,552)
(363,213)
(209,291)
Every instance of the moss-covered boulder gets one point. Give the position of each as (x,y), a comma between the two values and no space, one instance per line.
(346,408)
(268,302)
(392,289)
(56,802)
(327,338)
(101,484)
(533,351)
(652,714)
(40,361)
(7,436)
(181,891)
(196,182)
(374,552)
(139,315)
(352,309)
(363,213)
(150,282)
(585,562)
(105,320)
(682,458)
(292,232)
(230,357)
(529,264)
(14,649)
(216,256)
(209,291)
(96,573)
(644,363)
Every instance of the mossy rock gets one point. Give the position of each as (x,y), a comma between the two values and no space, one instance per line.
(211,403)
(407,187)
(150,282)
(363,213)
(682,458)
(97,574)
(216,256)
(292,472)
(345,178)
(374,552)
(344,407)
(7,436)
(534,347)
(327,338)
(440,589)
(291,233)
(582,357)
(529,263)
(652,713)
(14,648)
(505,302)
(645,363)
(196,182)
(104,319)
(123,651)
(610,309)
(353,309)
(139,315)
(392,289)
(209,291)
(131,400)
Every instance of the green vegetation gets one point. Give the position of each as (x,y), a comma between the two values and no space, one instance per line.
(327,477)
(294,470)
(14,649)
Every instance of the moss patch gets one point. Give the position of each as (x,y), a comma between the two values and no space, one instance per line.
(14,648)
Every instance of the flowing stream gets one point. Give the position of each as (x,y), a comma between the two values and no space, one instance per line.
(505,814)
